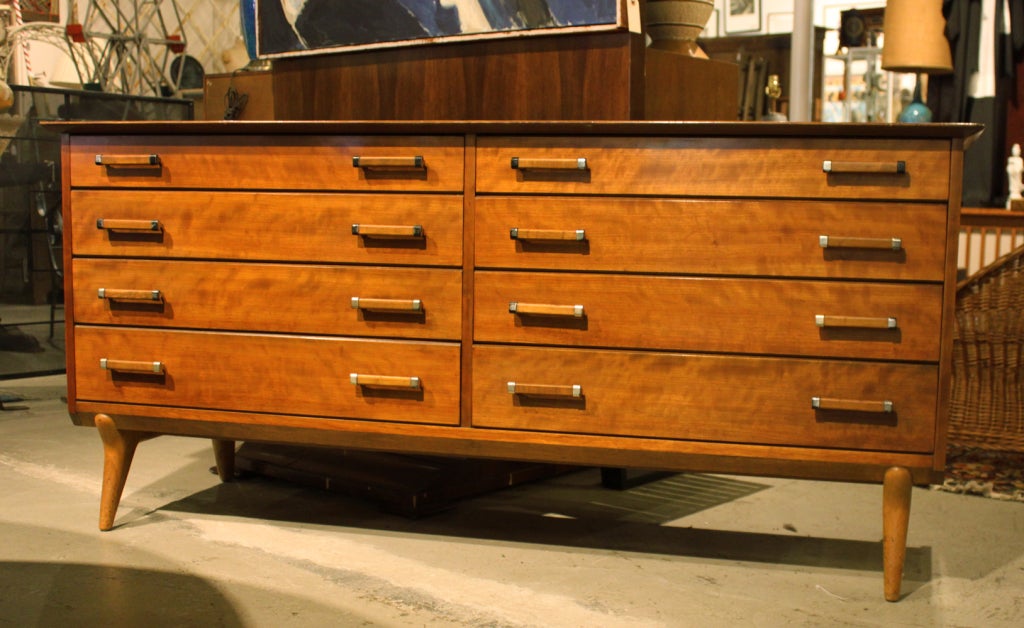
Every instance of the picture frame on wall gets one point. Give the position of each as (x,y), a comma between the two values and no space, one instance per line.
(742,16)
(301,27)
(711,28)
(40,10)
(779,23)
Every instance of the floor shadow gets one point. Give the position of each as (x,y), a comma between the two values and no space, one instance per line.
(155,592)
(570,512)
(55,594)
(26,346)
(62,593)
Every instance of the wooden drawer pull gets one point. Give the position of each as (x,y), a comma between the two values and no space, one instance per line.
(843,242)
(388,162)
(852,405)
(545,309)
(527,163)
(387,231)
(547,234)
(387,305)
(129,366)
(546,390)
(863,167)
(869,322)
(117,224)
(384,381)
(130,161)
(114,294)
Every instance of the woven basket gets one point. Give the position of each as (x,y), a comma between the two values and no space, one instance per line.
(987,407)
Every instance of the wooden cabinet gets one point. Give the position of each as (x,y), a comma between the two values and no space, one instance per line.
(257,88)
(768,299)
(580,76)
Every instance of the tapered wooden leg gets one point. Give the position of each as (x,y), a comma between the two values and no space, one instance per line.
(224,454)
(895,521)
(118,450)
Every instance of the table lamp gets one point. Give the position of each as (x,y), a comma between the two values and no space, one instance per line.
(915,42)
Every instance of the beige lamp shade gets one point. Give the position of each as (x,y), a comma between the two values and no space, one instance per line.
(914,37)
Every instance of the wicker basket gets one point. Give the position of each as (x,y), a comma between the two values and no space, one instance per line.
(987,407)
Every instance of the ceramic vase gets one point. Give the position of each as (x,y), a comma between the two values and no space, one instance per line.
(675,24)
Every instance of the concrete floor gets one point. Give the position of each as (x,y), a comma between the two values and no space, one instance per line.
(689,550)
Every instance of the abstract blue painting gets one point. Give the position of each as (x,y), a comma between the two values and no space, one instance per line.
(296,26)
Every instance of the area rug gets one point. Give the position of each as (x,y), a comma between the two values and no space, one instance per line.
(984,472)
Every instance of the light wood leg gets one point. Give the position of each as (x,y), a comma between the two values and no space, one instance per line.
(895,521)
(118,450)
(224,454)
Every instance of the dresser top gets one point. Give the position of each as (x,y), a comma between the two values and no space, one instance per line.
(624,128)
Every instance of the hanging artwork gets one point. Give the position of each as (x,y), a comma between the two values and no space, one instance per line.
(742,16)
(290,27)
(40,10)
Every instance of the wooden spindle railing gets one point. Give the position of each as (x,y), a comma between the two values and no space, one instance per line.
(987,234)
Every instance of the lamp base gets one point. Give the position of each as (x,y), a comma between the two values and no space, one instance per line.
(916,110)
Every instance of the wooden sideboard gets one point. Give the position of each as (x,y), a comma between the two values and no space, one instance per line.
(764,299)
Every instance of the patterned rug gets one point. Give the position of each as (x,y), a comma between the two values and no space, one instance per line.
(995,474)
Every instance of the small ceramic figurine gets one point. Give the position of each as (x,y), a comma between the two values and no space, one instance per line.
(1014,170)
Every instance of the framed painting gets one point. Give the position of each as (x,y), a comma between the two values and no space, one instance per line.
(742,16)
(295,27)
(40,10)
(779,23)
(711,28)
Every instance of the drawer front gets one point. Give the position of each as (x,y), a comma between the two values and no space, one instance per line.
(280,162)
(715,398)
(270,297)
(731,167)
(728,237)
(269,226)
(274,374)
(710,314)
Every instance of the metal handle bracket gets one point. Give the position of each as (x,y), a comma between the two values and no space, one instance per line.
(578,235)
(543,309)
(114,294)
(545,390)
(127,160)
(530,163)
(872,322)
(844,242)
(385,381)
(863,167)
(131,366)
(852,405)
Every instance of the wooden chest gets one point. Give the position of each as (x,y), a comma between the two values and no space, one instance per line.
(769,299)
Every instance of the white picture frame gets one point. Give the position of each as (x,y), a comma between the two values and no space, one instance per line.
(711,28)
(742,16)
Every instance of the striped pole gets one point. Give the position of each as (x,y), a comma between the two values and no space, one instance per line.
(22,44)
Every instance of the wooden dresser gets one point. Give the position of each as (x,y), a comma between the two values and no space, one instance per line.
(765,299)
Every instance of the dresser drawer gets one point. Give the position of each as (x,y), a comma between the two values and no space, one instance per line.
(280,162)
(904,241)
(730,167)
(273,374)
(424,229)
(715,398)
(710,314)
(392,302)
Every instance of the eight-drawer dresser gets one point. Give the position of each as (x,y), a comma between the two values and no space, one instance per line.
(764,299)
